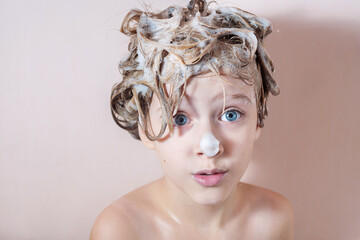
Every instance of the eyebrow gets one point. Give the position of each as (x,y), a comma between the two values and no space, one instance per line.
(241,96)
(237,96)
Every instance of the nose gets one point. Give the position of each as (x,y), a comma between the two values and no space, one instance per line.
(210,145)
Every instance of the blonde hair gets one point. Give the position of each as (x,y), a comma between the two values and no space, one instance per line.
(169,47)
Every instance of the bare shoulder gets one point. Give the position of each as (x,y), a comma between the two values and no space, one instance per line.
(122,218)
(265,198)
(269,211)
(114,222)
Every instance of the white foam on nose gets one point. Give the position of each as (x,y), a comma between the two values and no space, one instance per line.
(209,145)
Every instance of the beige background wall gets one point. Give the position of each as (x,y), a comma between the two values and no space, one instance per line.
(63,159)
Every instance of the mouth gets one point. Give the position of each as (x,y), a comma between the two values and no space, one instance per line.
(209,178)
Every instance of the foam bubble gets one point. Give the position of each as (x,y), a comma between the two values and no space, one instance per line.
(209,145)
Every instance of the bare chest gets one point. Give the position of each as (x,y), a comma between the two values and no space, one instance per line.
(238,230)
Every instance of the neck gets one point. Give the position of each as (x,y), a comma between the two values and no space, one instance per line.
(186,212)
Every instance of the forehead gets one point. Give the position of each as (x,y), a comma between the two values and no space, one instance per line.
(212,86)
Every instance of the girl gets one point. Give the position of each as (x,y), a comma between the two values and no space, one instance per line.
(194,89)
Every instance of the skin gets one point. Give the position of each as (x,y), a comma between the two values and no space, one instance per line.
(178,207)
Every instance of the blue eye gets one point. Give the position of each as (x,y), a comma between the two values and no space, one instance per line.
(230,116)
(180,119)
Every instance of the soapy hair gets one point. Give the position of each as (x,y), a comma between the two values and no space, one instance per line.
(169,47)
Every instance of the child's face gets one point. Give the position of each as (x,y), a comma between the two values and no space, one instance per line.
(199,113)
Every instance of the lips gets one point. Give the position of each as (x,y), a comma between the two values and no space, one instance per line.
(209,178)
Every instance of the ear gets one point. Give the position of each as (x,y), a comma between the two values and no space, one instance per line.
(257,132)
(147,142)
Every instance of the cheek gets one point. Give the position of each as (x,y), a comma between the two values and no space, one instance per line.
(239,141)
(175,156)
(240,157)
(169,155)
(163,153)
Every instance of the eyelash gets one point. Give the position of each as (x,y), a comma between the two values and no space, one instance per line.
(240,114)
